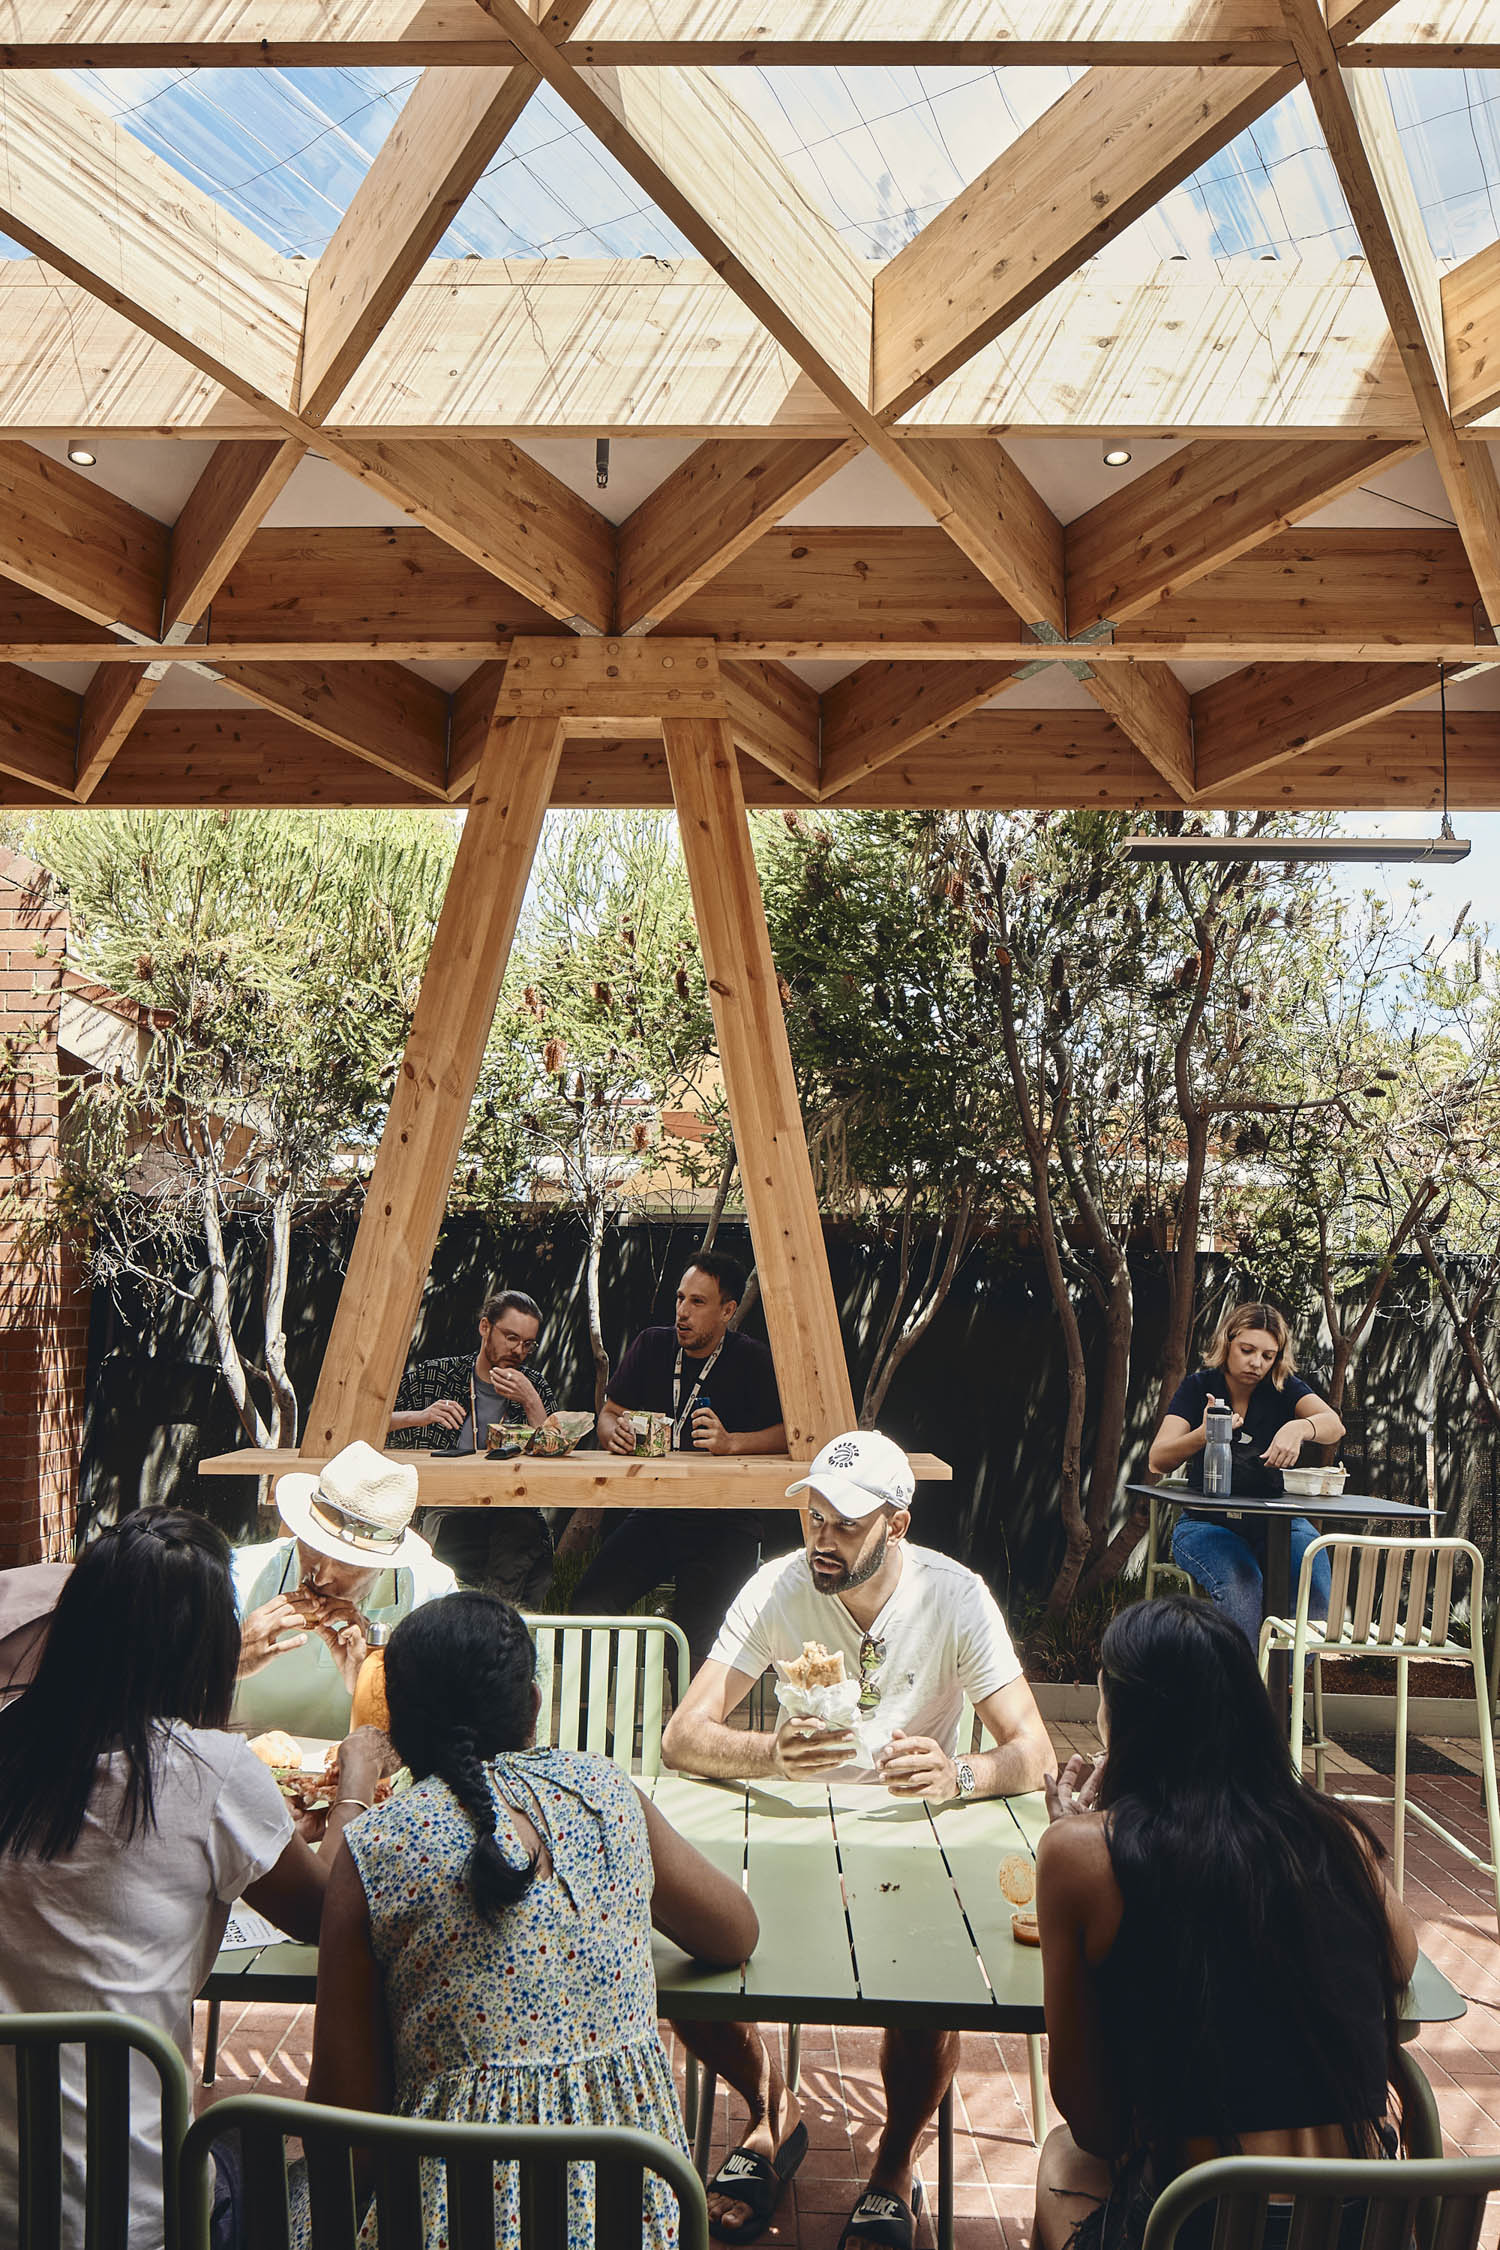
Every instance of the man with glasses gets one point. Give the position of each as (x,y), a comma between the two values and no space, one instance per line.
(450,1405)
(918,1631)
(348,1540)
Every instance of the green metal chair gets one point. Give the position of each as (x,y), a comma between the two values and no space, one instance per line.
(1159,1563)
(109,2042)
(1391,1598)
(398,2147)
(1437,2201)
(603,1684)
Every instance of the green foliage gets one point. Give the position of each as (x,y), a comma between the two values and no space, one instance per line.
(892,1039)
(276,958)
(280,955)
(603,1018)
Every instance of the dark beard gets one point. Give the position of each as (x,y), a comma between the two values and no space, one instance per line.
(853,1578)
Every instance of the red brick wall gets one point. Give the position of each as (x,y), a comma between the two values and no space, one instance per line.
(44,1305)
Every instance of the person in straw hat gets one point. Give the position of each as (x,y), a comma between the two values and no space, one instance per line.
(351,1538)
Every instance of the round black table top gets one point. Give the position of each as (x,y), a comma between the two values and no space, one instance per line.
(1365,1505)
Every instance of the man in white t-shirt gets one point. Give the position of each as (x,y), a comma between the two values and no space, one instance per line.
(919,1631)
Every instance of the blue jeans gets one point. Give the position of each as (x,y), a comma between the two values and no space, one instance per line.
(1230,1567)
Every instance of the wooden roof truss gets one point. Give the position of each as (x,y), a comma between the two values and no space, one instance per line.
(657,661)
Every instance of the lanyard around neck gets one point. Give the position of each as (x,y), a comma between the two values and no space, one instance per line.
(681,1413)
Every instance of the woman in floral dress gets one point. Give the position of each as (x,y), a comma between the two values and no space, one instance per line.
(486,1941)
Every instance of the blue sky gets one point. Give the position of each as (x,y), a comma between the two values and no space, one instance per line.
(1475,881)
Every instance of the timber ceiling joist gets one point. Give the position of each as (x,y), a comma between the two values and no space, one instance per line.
(969,593)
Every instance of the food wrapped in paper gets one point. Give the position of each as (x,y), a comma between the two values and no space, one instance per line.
(548,1440)
(507,1437)
(653,1435)
(813,1686)
(577,1428)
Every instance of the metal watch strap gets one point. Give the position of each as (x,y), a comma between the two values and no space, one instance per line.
(964,1774)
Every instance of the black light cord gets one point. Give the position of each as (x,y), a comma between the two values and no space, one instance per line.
(1446,831)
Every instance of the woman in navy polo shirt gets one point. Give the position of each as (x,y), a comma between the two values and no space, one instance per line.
(1249,1368)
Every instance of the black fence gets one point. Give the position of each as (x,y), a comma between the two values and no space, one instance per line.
(986,1387)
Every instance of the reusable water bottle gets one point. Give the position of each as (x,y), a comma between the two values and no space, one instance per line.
(370,1706)
(1218,1469)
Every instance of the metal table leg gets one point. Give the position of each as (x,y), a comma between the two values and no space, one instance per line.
(1278,1603)
(945,2171)
(703,2137)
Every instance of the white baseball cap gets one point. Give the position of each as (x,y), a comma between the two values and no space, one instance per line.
(858,1473)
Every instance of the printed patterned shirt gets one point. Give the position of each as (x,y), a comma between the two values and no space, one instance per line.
(428,1380)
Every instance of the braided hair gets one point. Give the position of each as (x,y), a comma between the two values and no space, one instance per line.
(458,1679)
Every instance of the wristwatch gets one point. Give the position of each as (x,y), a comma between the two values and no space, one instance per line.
(964,1775)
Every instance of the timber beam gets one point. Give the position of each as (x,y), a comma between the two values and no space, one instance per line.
(904,595)
(1005,757)
(307,34)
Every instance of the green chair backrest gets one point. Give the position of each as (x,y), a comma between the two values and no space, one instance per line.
(602,1682)
(108,2043)
(398,2147)
(1438,2200)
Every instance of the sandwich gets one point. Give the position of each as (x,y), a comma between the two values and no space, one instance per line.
(320,1791)
(317,1609)
(282,1752)
(815,1667)
(304,1791)
(277,1750)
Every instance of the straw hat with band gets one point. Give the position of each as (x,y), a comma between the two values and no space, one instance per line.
(358,1510)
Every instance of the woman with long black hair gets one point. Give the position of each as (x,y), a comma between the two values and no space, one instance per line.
(486,1950)
(1222,1954)
(130,1821)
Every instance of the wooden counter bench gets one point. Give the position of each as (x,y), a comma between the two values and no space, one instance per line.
(578,1480)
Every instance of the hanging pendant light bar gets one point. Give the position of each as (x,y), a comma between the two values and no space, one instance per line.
(1442,850)
(1437,851)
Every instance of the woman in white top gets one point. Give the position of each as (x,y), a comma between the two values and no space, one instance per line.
(129,1822)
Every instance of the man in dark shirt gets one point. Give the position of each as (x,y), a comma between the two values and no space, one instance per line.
(451,1404)
(718,1388)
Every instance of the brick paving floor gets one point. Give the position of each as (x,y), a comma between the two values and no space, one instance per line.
(266,2049)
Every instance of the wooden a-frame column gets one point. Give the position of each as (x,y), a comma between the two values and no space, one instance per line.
(408,1190)
(780,1203)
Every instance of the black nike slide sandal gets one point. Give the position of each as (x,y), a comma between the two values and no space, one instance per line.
(879,2217)
(756,2182)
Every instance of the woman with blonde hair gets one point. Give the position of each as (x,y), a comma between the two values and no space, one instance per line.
(1248,1367)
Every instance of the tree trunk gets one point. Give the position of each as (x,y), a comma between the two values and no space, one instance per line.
(1080,1169)
(231,1364)
(1462,1324)
(596,1318)
(721,1196)
(929,1302)
(1075,1529)
(1108,1556)
(1346,1340)
(273,1303)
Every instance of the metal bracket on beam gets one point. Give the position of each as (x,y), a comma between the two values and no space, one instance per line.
(1050,637)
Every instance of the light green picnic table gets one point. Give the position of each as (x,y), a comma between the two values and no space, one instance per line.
(872,1911)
